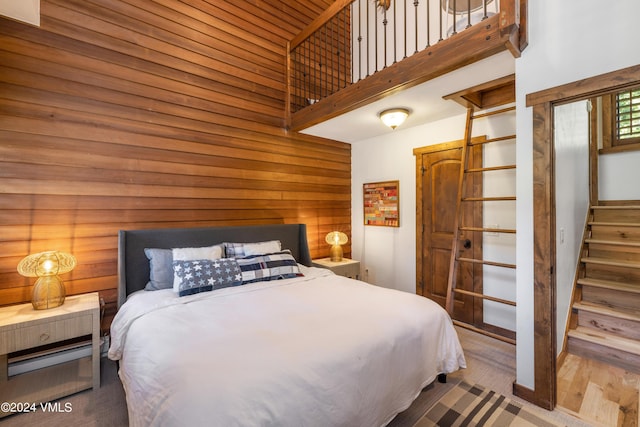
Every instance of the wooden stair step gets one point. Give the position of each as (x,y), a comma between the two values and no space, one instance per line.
(614,224)
(612,207)
(620,313)
(613,242)
(610,284)
(606,340)
(611,262)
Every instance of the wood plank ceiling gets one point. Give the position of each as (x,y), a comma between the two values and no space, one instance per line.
(136,114)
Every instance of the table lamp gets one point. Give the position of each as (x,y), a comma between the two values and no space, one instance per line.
(48,291)
(336,239)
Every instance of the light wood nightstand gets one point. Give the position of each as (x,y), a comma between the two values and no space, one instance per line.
(347,267)
(23,328)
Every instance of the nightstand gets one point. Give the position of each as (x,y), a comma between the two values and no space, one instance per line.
(30,335)
(347,267)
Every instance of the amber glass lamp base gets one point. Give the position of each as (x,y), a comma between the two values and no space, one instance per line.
(48,292)
(336,253)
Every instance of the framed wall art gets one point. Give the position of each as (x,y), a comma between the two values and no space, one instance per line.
(382,203)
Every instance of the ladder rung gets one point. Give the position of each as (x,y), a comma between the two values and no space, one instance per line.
(489,199)
(493,113)
(492,168)
(484,332)
(490,140)
(483,296)
(489,230)
(481,261)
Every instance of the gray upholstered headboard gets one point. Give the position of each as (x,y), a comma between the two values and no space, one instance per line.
(133,265)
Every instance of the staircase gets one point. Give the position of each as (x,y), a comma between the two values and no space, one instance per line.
(605,317)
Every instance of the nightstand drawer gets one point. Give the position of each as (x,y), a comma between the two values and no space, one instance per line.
(45,333)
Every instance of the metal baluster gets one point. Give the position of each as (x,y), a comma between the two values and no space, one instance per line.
(395,33)
(405,29)
(325,74)
(454,18)
(468,13)
(384,23)
(346,48)
(359,40)
(446,11)
(332,57)
(415,10)
(368,40)
(314,69)
(307,70)
(376,35)
(429,24)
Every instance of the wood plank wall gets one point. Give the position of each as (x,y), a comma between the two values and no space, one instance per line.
(137,114)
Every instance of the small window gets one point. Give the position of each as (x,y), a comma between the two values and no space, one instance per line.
(627,117)
(619,113)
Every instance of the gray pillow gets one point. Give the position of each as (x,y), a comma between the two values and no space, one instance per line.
(160,269)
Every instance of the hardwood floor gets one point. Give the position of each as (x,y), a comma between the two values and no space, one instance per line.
(598,393)
(492,364)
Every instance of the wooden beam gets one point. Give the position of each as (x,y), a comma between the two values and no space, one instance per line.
(487,95)
(586,88)
(322,19)
(544,255)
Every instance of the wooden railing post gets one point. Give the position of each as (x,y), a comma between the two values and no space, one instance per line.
(509,25)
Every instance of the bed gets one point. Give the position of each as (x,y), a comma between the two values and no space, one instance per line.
(309,349)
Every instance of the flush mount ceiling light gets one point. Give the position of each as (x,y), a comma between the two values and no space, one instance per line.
(394,117)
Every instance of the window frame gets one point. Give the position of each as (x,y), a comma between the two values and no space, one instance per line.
(611,142)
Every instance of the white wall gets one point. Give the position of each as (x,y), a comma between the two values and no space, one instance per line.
(615,168)
(568,41)
(387,254)
(571,143)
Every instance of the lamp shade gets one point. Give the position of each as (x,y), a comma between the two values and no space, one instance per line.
(336,239)
(48,291)
(394,117)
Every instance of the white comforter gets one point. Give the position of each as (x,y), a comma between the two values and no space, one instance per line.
(320,350)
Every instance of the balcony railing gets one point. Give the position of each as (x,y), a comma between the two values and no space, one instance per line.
(355,39)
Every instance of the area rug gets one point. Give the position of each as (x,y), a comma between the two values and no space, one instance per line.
(473,405)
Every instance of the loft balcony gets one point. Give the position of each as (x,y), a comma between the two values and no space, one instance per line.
(360,51)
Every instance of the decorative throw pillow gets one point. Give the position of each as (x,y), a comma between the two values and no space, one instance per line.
(207,252)
(204,275)
(273,266)
(239,250)
(160,269)
(190,254)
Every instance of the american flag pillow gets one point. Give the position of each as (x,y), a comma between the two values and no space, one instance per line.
(206,275)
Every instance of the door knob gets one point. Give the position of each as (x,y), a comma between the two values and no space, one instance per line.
(467,244)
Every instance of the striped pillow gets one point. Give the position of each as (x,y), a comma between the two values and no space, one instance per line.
(272,266)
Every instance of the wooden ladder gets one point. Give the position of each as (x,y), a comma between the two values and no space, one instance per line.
(459,227)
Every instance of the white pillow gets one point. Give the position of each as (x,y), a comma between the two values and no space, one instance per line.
(261,248)
(192,254)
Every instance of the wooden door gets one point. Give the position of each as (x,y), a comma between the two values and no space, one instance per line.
(437,181)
